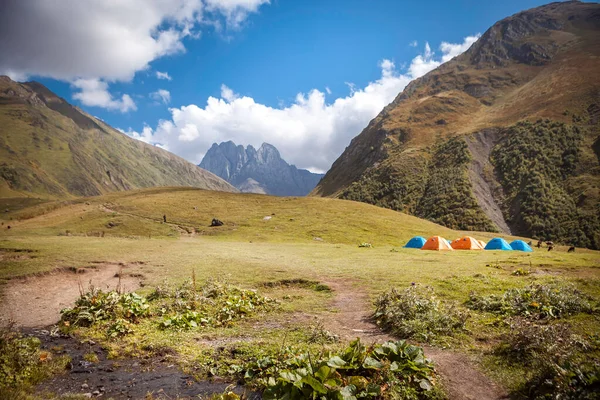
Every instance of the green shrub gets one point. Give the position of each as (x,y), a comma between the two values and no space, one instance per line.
(23,363)
(536,301)
(96,305)
(415,312)
(557,363)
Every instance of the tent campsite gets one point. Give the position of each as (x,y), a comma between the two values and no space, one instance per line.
(498,244)
(520,246)
(415,243)
(437,243)
(466,243)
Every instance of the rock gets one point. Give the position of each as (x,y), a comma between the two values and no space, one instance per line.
(268,217)
(216,222)
(96,393)
(85,386)
(88,395)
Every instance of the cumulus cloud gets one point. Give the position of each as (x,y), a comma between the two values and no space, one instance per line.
(163,75)
(310,133)
(452,50)
(161,96)
(104,40)
(414,43)
(94,93)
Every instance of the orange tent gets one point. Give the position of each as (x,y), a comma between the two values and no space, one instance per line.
(437,243)
(466,243)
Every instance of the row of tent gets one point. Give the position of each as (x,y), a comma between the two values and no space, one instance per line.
(465,243)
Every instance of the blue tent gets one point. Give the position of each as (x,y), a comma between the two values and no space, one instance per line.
(497,244)
(520,245)
(416,243)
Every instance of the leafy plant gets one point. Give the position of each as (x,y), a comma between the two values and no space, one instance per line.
(536,301)
(378,372)
(415,312)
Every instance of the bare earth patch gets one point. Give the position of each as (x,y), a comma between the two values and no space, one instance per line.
(36,301)
(461,379)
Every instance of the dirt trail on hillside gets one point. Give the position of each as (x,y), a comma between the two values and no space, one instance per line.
(461,379)
(36,301)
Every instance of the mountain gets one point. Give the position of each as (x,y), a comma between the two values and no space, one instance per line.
(51,149)
(504,137)
(258,171)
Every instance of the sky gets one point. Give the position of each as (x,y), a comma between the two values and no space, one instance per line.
(304,75)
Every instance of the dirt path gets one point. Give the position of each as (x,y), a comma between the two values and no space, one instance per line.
(36,301)
(461,379)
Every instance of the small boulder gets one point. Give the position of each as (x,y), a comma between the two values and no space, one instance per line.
(216,222)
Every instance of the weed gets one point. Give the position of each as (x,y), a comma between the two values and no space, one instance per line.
(23,363)
(535,301)
(365,244)
(521,272)
(415,312)
(555,360)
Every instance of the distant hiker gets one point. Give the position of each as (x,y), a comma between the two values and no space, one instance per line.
(165,218)
(549,243)
(550,247)
(539,244)
(216,222)
(571,249)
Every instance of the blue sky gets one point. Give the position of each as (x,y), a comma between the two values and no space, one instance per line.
(265,53)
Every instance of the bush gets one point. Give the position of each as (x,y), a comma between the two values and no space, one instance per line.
(416,313)
(557,362)
(382,371)
(96,305)
(535,301)
(23,363)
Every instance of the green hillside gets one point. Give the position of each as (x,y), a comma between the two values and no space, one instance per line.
(50,149)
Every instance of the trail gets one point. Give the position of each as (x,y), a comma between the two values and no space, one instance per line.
(461,379)
(183,229)
(36,301)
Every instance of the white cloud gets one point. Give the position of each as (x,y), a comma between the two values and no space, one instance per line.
(94,93)
(311,133)
(161,96)
(414,43)
(163,75)
(103,40)
(227,93)
(452,50)
(327,90)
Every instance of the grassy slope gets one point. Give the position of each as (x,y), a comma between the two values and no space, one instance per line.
(249,251)
(47,154)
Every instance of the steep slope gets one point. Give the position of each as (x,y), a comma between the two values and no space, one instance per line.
(542,66)
(258,171)
(51,149)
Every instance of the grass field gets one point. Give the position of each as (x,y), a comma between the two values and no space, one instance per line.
(302,238)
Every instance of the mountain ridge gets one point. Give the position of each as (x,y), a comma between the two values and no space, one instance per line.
(258,171)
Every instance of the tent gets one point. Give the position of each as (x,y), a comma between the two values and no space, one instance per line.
(482,243)
(437,243)
(466,243)
(497,244)
(520,245)
(415,243)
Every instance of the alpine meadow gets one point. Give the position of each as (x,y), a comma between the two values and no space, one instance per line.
(450,251)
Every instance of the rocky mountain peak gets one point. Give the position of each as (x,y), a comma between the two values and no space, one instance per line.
(258,171)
